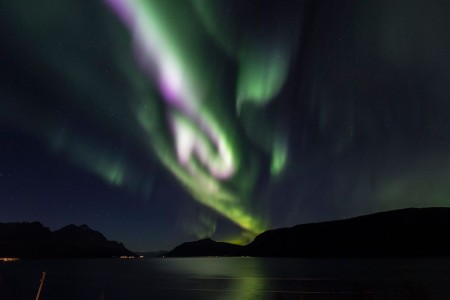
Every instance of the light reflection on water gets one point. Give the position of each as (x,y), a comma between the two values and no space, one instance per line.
(232,278)
(228,278)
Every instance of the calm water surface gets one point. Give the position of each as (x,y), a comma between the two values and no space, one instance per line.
(227,278)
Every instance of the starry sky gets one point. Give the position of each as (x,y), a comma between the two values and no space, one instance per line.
(157,122)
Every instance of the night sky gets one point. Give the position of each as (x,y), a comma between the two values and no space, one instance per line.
(158,122)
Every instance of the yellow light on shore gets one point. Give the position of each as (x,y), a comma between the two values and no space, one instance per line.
(8,259)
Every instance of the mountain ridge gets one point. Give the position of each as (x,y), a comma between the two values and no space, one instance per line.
(34,240)
(204,247)
(404,232)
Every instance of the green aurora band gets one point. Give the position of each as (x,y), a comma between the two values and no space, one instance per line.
(172,46)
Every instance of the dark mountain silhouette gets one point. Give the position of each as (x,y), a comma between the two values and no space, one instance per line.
(398,233)
(205,247)
(33,240)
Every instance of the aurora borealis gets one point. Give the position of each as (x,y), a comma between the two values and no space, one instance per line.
(177,120)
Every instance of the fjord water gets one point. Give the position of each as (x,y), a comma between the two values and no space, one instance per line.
(227,278)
